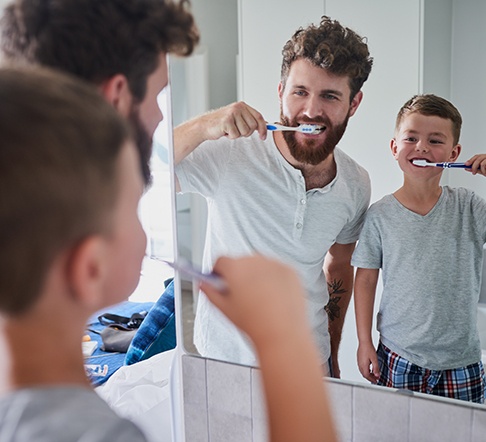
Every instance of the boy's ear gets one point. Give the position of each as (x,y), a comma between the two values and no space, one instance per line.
(117,92)
(456,150)
(87,272)
(393,147)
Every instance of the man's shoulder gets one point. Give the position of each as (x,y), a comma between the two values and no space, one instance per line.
(349,164)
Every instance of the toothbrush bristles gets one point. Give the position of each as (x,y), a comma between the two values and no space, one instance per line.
(310,128)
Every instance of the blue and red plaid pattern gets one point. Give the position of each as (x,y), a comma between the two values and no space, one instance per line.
(465,383)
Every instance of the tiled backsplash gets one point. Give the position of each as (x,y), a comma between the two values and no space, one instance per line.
(223,403)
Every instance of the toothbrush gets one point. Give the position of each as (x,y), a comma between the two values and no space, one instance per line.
(424,163)
(304,128)
(189,269)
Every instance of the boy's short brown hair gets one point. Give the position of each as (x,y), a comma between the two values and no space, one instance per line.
(59,145)
(432,105)
(330,46)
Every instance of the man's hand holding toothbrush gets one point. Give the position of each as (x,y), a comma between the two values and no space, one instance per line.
(233,121)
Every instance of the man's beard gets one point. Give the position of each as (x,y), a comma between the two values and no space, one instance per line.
(143,142)
(311,150)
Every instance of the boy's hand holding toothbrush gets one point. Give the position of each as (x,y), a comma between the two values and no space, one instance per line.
(478,164)
(475,165)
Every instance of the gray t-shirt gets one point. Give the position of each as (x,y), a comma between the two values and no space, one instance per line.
(62,414)
(431,269)
(257,202)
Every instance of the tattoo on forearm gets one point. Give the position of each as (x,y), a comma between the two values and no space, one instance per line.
(332,308)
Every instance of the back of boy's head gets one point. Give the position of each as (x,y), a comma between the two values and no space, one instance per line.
(59,146)
(432,105)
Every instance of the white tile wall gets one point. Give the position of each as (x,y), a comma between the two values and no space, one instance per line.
(259,415)
(380,415)
(438,421)
(229,402)
(195,399)
(341,397)
(224,403)
(479,426)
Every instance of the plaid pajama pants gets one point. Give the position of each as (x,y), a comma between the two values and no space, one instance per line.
(466,383)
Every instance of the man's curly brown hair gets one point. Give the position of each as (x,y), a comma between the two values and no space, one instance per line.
(330,46)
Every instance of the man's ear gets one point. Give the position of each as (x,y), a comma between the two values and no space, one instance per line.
(394,147)
(355,102)
(280,90)
(456,150)
(117,92)
(87,272)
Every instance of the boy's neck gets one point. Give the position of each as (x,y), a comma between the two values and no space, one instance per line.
(419,197)
(39,354)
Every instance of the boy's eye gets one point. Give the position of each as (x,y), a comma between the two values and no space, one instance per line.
(410,139)
(436,142)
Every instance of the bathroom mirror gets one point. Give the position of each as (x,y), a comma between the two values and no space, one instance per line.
(419,46)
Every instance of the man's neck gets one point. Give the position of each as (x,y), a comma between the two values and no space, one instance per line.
(316,176)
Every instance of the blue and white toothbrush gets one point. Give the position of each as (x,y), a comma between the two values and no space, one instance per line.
(304,128)
(424,163)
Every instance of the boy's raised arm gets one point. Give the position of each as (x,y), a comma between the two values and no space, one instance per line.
(266,300)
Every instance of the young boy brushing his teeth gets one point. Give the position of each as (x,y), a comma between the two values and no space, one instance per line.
(428,240)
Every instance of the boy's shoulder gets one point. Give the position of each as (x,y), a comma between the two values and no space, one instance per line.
(62,414)
(463,195)
(382,203)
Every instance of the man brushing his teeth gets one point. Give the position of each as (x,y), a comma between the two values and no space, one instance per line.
(292,196)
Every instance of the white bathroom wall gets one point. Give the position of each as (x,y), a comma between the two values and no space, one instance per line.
(222,44)
(224,402)
(468,84)
(264,27)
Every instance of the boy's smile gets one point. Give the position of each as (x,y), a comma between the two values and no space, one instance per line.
(424,137)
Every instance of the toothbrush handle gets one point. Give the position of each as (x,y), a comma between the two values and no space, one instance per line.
(456,165)
(279,127)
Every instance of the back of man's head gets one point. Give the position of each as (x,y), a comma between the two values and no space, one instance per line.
(59,145)
(96,39)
